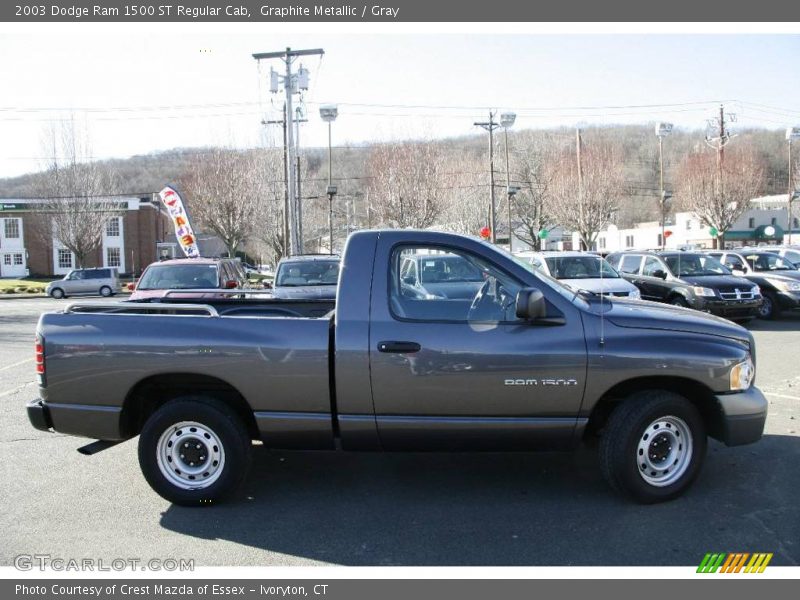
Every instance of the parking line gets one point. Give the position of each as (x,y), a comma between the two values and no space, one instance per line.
(22,362)
(16,389)
(782,396)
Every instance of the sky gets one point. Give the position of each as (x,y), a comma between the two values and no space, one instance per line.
(137,92)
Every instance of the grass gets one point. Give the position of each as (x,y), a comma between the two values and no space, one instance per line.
(23,286)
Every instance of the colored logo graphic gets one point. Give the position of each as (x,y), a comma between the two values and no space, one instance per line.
(735,562)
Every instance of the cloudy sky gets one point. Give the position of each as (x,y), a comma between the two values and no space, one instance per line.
(144,89)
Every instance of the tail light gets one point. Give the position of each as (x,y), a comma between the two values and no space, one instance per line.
(39,358)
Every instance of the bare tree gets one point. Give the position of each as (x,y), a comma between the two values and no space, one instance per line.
(224,189)
(533,205)
(76,191)
(585,199)
(719,192)
(406,184)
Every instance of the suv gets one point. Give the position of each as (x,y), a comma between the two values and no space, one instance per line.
(776,276)
(790,253)
(189,274)
(307,276)
(689,279)
(581,271)
(83,282)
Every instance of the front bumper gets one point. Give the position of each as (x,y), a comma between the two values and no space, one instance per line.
(730,309)
(743,417)
(789,300)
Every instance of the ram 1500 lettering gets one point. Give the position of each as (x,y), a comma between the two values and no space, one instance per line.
(519,363)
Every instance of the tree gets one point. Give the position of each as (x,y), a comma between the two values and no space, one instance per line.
(76,192)
(720,192)
(585,199)
(406,184)
(532,207)
(224,189)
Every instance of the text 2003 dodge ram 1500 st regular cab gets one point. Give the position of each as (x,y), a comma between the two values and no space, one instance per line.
(520,362)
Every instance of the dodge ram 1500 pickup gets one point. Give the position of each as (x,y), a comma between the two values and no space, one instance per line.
(519,363)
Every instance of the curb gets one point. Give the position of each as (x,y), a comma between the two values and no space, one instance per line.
(45,296)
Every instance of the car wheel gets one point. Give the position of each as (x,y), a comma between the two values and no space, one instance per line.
(195,451)
(769,308)
(105,291)
(57,293)
(679,301)
(653,446)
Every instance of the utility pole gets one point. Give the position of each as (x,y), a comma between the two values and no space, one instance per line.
(662,130)
(719,141)
(490,126)
(298,119)
(792,133)
(292,84)
(581,241)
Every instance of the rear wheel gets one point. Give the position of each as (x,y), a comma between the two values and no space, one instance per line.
(194,451)
(653,446)
(105,291)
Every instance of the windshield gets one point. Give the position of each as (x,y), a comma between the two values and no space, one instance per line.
(179,277)
(307,272)
(695,265)
(558,287)
(580,267)
(766,261)
(448,269)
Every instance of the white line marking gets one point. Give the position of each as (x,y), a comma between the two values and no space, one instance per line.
(22,362)
(16,389)
(782,396)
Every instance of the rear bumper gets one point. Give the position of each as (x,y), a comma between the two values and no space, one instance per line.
(743,417)
(99,422)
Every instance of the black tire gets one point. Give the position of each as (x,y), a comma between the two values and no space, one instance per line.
(224,423)
(679,301)
(770,308)
(106,291)
(628,428)
(57,293)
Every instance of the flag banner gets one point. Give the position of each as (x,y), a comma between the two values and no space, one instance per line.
(180,220)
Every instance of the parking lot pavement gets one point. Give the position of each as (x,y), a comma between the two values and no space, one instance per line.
(397,509)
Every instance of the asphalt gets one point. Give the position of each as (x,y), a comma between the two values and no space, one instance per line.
(304,508)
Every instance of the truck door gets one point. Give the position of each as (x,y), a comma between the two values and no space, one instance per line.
(454,373)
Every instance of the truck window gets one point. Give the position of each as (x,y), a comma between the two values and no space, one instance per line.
(453,286)
(630,264)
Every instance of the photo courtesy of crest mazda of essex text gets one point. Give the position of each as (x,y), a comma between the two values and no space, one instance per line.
(275,296)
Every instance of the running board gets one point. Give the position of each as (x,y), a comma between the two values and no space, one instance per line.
(96,447)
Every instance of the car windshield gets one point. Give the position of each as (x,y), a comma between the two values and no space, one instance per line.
(580,267)
(307,272)
(765,261)
(448,269)
(695,265)
(179,277)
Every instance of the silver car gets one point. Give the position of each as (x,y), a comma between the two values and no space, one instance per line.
(85,282)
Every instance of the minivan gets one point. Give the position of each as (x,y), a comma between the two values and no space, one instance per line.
(85,282)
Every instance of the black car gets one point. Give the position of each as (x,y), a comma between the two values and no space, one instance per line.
(776,276)
(689,279)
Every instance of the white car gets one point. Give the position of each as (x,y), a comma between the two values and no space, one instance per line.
(581,271)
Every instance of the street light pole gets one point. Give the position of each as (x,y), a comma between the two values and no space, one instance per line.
(507,120)
(328,113)
(490,126)
(792,133)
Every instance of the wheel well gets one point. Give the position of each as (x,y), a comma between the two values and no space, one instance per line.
(151,393)
(698,394)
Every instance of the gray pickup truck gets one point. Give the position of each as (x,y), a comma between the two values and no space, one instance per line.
(524,363)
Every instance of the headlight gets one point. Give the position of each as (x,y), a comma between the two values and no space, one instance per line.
(742,374)
(635,293)
(703,291)
(756,291)
(787,286)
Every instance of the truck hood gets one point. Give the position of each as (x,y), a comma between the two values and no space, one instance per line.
(717,281)
(642,314)
(306,292)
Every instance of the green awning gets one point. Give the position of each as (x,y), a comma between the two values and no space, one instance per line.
(768,232)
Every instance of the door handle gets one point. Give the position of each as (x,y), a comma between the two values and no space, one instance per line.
(399,347)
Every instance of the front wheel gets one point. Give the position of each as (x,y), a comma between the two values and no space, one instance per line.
(57,293)
(679,301)
(653,446)
(769,309)
(194,451)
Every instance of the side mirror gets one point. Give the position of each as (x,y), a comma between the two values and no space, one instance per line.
(660,274)
(531,304)
(230,285)
(267,284)
(408,280)
(131,287)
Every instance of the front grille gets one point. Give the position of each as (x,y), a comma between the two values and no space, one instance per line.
(734,293)
(617,294)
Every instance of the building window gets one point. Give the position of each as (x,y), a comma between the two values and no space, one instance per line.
(18,259)
(12,228)
(661,240)
(113,257)
(688,225)
(602,243)
(751,223)
(774,221)
(64,258)
(629,241)
(795,223)
(7,260)
(112,227)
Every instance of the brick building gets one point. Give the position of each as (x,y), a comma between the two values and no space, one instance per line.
(131,241)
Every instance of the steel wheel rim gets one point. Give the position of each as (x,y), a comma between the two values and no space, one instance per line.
(664,451)
(190,455)
(105,292)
